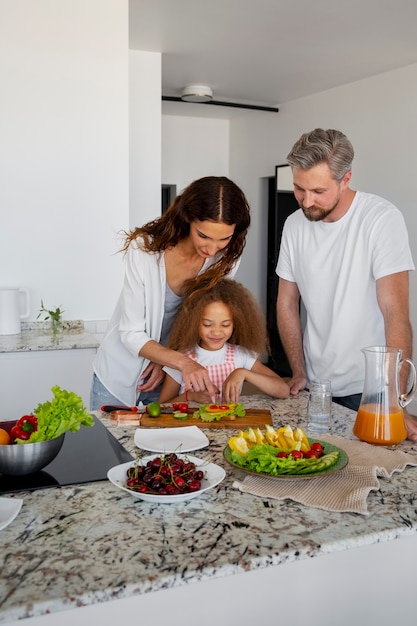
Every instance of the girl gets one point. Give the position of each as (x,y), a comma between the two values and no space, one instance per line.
(223,329)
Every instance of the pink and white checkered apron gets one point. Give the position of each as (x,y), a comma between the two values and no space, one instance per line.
(219,373)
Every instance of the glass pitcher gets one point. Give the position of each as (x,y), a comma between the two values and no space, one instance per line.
(380,418)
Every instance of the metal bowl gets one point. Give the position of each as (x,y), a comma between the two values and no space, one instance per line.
(27,458)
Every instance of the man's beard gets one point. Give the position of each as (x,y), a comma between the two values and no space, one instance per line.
(317,214)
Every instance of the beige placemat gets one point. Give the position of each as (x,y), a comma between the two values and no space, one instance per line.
(344,491)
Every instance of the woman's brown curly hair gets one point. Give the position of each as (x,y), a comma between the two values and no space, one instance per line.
(249,326)
(212,198)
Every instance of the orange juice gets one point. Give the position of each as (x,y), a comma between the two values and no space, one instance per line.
(376,425)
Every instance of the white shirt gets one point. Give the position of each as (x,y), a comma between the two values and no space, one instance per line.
(335,266)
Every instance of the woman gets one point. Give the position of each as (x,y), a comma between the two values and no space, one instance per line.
(200,237)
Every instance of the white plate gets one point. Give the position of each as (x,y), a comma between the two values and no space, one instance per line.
(180,439)
(9,508)
(213,475)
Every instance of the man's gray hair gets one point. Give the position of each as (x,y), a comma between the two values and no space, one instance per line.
(323,146)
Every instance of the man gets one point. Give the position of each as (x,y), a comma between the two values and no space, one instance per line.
(346,254)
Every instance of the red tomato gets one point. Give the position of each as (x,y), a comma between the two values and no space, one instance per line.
(297,454)
(224,407)
(213,407)
(176,406)
(183,407)
(318,447)
(282,455)
(311,453)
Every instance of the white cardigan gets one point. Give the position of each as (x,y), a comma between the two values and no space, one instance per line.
(136,320)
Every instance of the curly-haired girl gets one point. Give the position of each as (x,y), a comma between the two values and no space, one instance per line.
(223,329)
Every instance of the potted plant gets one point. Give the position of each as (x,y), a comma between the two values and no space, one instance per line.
(55,315)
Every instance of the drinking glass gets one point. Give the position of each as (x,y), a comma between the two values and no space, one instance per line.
(319,410)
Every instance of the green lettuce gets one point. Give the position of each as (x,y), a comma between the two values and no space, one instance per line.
(64,412)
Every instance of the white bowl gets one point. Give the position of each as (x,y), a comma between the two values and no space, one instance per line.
(213,475)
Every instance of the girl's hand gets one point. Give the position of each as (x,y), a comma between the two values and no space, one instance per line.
(156,376)
(232,385)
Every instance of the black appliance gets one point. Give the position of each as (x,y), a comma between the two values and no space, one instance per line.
(85,456)
(281,203)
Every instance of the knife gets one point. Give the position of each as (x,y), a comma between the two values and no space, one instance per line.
(109,408)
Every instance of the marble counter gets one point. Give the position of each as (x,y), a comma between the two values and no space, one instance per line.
(82,545)
(37,336)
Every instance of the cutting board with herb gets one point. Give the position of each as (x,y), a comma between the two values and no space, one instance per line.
(254,418)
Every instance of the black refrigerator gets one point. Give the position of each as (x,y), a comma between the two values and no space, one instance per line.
(281,203)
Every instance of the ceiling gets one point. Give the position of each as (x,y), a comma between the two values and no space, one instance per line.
(268,52)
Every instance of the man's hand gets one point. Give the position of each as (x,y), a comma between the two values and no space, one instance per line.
(297,384)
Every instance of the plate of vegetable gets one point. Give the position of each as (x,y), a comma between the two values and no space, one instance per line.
(267,456)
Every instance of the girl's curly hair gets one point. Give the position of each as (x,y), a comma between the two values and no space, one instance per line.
(249,325)
(212,198)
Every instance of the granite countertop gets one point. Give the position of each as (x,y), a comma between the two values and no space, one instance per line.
(37,336)
(81,545)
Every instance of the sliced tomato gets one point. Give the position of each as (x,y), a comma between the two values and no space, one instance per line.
(224,407)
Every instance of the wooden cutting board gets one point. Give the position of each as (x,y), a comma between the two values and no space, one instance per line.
(253,418)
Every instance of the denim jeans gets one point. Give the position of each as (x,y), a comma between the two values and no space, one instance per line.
(101,395)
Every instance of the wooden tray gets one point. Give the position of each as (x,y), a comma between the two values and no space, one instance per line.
(253,418)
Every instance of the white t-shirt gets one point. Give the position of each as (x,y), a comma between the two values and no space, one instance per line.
(335,266)
(243,358)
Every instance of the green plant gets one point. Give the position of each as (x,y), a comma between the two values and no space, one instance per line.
(53,314)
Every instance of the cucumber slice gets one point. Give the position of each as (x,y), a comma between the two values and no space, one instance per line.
(180,416)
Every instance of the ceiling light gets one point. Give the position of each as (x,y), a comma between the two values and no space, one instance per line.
(197,93)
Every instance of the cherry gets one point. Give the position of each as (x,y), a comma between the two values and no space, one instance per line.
(165,475)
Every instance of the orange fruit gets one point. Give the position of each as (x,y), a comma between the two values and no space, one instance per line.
(4,437)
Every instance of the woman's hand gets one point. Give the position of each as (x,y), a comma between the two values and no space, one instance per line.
(156,376)
(196,378)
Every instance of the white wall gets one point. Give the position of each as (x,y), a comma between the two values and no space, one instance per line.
(192,148)
(145,136)
(64,151)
